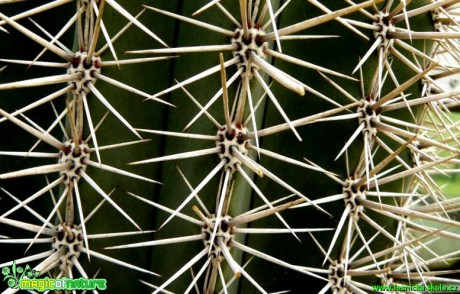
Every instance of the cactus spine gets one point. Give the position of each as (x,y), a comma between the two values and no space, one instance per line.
(282,145)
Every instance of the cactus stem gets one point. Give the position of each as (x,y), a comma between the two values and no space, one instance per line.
(390,191)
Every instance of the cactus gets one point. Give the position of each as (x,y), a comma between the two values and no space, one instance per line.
(230,146)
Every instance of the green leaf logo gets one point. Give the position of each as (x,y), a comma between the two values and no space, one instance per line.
(17,273)
(5,271)
(11,276)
